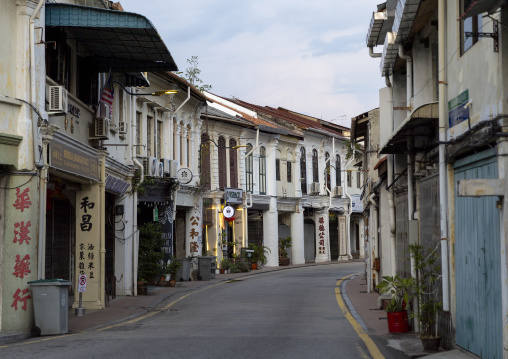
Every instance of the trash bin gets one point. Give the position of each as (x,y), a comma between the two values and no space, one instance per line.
(183,273)
(51,308)
(206,267)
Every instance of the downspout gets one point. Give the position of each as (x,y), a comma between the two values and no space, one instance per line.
(38,164)
(374,54)
(390,181)
(33,95)
(410,164)
(135,233)
(183,103)
(409,96)
(372,241)
(443,117)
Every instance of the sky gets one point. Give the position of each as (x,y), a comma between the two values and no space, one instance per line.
(307,56)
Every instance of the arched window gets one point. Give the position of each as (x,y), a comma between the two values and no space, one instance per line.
(182,139)
(315,167)
(303,170)
(327,171)
(204,161)
(338,171)
(249,170)
(262,170)
(233,171)
(223,166)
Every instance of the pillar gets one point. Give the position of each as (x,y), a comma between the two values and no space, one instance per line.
(297,237)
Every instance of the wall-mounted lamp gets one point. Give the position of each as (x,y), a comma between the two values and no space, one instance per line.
(156,93)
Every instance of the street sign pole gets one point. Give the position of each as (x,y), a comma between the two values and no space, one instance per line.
(80,311)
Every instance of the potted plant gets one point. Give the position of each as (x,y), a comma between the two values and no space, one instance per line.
(224,265)
(171,268)
(402,290)
(284,244)
(259,254)
(150,254)
(428,273)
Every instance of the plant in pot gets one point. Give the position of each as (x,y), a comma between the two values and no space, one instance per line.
(224,265)
(428,274)
(150,255)
(171,269)
(259,256)
(284,244)
(402,290)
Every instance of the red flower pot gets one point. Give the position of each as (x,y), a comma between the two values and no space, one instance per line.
(397,322)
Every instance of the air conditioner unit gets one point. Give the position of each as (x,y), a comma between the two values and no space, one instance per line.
(122,127)
(150,165)
(337,191)
(165,165)
(101,127)
(160,169)
(174,166)
(58,99)
(314,188)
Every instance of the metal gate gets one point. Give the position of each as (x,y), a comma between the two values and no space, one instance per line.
(310,241)
(478,262)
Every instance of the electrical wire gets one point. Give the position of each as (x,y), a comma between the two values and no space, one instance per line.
(33,175)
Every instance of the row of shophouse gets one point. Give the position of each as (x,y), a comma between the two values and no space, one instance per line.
(436,158)
(91,112)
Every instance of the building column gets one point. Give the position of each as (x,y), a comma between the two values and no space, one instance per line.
(193,226)
(322,236)
(176,139)
(183,147)
(297,236)
(343,238)
(271,217)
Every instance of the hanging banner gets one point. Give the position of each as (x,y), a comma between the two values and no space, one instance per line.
(166,221)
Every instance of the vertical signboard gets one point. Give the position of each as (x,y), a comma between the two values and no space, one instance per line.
(166,221)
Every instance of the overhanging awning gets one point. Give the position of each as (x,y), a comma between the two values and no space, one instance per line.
(480,6)
(421,125)
(110,39)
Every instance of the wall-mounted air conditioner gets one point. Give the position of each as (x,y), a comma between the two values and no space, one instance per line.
(150,166)
(122,127)
(165,165)
(174,166)
(337,191)
(100,129)
(58,99)
(314,188)
(160,169)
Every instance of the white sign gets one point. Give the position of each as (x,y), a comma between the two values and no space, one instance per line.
(357,204)
(228,212)
(184,175)
(82,283)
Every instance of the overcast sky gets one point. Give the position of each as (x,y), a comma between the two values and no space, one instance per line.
(307,56)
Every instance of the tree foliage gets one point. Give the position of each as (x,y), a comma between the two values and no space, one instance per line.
(192,73)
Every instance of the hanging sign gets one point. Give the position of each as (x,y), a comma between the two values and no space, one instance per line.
(229,213)
(233,195)
(184,175)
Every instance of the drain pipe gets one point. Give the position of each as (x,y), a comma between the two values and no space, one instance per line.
(374,54)
(390,180)
(35,132)
(135,233)
(409,96)
(443,118)
(372,241)
(184,102)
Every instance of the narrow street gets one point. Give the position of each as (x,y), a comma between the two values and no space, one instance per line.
(283,314)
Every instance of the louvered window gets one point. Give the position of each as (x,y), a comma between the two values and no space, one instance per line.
(262,170)
(223,176)
(315,167)
(303,170)
(249,170)
(204,161)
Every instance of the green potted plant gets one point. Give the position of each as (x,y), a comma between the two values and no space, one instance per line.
(402,290)
(284,244)
(171,268)
(224,265)
(428,274)
(259,255)
(150,255)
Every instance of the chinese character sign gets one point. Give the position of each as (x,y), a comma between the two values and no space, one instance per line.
(21,236)
(195,235)
(342,236)
(321,235)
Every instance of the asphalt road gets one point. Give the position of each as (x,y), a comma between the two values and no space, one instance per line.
(283,314)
